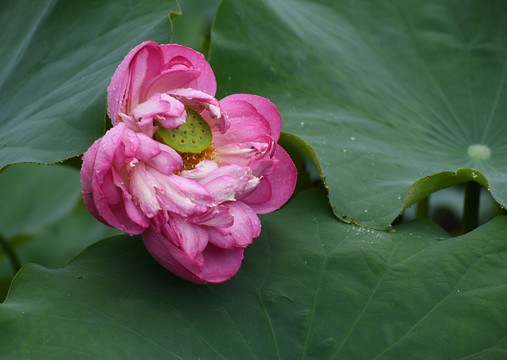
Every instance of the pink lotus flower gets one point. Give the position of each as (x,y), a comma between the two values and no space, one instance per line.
(188,172)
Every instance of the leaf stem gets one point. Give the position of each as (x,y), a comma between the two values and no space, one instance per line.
(9,251)
(471,206)
(423,208)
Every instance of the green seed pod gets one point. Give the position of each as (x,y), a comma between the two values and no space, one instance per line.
(193,136)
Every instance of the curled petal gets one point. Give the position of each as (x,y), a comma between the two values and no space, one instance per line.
(220,217)
(275,188)
(167,162)
(172,79)
(191,239)
(207,105)
(177,56)
(246,226)
(249,139)
(182,196)
(230,181)
(165,109)
(143,187)
(244,153)
(141,63)
(223,188)
(200,171)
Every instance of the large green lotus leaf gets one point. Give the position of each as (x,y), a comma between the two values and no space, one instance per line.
(35,197)
(310,287)
(193,27)
(54,245)
(386,92)
(56,60)
(41,218)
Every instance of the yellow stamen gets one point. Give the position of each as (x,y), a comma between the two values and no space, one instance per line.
(190,160)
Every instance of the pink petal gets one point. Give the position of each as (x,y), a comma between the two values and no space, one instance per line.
(229,181)
(262,194)
(167,162)
(147,148)
(183,196)
(242,154)
(192,238)
(128,147)
(223,188)
(135,215)
(262,105)
(160,156)
(172,79)
(220,217)
(171,257)
(201,170)
(201,103)
(142,188)
(246,226)
(246,124)
(282,181)
(177,56)
(144,61)
(215,265)
(87,171)
(165,109)
(220,264)
(114,215)
(241,174)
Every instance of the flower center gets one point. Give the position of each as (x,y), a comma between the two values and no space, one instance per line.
(193,136)
(192,140)
(190,160)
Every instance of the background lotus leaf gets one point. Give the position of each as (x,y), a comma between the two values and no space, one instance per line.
(55,66)
(310,287)
(386,92)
